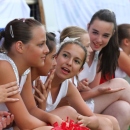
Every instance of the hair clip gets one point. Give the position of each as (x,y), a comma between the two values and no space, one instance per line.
(11,31)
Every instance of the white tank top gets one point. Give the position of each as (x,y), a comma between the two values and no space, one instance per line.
(23,78)
(89,72)
(120,73)
(62,93)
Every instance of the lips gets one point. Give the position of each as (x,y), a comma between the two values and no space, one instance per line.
(65,70)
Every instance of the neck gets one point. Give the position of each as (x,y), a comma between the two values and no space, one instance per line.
(56,82)
(21,65)
(34,74)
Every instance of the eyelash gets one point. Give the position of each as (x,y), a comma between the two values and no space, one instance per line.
(97,33)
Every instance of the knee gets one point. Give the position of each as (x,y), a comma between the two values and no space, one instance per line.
(105,124)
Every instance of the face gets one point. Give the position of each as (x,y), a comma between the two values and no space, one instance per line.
(69,61)
(100,33)
(85,40)
(50,63)
(36,49)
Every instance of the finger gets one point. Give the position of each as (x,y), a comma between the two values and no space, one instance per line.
(8,85)
(11,100)
(14,88)
(85,83)
(8,120)
(3,121)
(4,113)
(1,128)
(39,94)
(13,93)
(38,99)
(12,117)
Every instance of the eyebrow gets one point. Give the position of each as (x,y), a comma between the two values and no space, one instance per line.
(76,57)
(98,31)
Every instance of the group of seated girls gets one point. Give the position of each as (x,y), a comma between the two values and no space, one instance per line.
(44,83)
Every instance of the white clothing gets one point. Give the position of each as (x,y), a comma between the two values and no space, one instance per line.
(120,73)
(89,72)
(50,105)
(89,102)
(23,79)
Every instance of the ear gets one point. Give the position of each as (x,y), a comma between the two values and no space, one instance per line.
(126,42)
(19,46)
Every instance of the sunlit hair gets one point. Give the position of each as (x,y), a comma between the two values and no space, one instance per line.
(72,32)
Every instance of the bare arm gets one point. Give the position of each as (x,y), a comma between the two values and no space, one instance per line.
(29,101)
(22,117)
(124,62)
(76,101)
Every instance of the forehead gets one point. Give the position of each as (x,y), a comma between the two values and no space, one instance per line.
(38,33)
(102,26)
(74,50)
(85,39)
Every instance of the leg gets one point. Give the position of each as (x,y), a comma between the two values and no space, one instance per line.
(40,128)
(112,119)
(103,101)
(121,111)
(105,123)
(66,111)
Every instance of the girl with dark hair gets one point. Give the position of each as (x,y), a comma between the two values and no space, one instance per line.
(24,46)
(103,61)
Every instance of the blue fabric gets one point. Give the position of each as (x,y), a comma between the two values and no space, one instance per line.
(1,29)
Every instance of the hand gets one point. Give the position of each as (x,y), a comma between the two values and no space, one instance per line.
(54,118)
(7,90)
(83,120)
(42,90)
(83,85)
(107,90)
(5,119)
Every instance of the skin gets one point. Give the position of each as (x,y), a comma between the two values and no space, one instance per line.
(8,90)
(60,76)
(124,56)
(25,55)
(100,33)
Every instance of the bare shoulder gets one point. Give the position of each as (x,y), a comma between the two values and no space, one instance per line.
(6,72)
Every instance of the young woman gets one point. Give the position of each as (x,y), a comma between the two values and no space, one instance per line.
(103,60)
(70,63)
(25,46)
(123,70)
(46,74)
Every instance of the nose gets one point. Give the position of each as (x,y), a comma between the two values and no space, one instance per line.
(54,62)
(46,50)
(69,62)
(99,39)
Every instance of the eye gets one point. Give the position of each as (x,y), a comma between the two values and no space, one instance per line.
(65,55)
(41,44)
(106,36)
(95,32)
(77,61)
